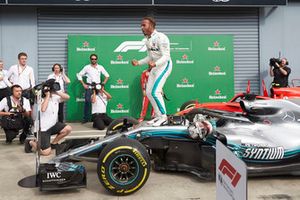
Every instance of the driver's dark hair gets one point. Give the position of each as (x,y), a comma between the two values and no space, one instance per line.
(15,86)
(151,20)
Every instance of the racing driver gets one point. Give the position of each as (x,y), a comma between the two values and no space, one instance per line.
(160,64)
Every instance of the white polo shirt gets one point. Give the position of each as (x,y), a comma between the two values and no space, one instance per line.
(58,79)
(23,77)
(50,116)
(4,105)
(100,104)
(3,84)
(93,74)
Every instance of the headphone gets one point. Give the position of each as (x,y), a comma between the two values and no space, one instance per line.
(60,67)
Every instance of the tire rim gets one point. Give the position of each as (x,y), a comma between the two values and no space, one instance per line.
(124,169)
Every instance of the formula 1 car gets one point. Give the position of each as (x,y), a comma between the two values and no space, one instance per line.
(187,143)
(234,106)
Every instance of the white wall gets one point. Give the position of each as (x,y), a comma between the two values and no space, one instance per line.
(18,32)
(280,32)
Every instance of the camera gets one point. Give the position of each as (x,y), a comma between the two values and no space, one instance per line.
(95,86)
(48,86)
(276,60)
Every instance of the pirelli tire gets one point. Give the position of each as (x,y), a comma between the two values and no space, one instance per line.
(123,166)
(188,104)
(117,124)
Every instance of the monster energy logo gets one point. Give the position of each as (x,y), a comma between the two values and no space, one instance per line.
(264,153)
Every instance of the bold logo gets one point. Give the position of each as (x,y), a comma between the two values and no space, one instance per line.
(131,45)
(264,153)
(217,95)
(184,60)
(53,175)
(228,170)
(85,47)
(185,84)
(119,85)
(119,61)
(217,72)
(119,109)
(216,47)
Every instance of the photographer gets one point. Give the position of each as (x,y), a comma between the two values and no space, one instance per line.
(60,77)
(93,72)
(99,102)
(52,96)
(280,71)
(15,112)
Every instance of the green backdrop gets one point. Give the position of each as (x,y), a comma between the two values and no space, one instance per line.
(202,69)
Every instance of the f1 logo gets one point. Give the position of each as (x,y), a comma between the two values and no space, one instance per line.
(227,169)
(131,45)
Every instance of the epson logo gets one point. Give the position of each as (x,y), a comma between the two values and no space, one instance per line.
(51,175)
(218,1)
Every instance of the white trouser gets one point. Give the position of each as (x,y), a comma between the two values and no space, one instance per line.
(155,84)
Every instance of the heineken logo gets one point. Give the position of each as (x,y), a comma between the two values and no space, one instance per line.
(119,85)
(131,45)
(85,47)
(119,61)
(217,72)
(216,47)
(119,109)
(217,95)
(185,84)
(184,60)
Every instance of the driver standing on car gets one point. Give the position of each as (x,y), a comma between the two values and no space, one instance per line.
(160,64)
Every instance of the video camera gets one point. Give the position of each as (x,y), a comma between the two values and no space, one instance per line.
(48,86)
(276,60)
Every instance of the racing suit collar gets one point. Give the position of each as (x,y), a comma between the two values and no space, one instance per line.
(154,32)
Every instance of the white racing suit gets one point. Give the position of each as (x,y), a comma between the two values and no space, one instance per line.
(158,49)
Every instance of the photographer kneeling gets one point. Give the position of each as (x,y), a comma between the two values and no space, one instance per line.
(15,112)
(280,71)
(49,118)
(99,102)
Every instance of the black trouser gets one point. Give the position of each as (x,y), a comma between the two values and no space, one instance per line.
(4,92)
(100,120)
(29,95)
(12,133)
(61,112)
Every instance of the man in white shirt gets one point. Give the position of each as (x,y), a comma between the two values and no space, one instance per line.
(49,121)
(18,108)
(22,74)
(93,74)
(99,102)
(160,63)
(4,90)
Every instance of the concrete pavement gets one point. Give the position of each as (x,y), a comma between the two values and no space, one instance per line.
(15,165)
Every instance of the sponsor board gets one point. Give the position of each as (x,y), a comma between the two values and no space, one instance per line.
(231,175)
(185,84)
(217,72)
(119,109)
(86,47)
(216,47)
(184,60)
(217,95)
(119,61)
(119,85)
